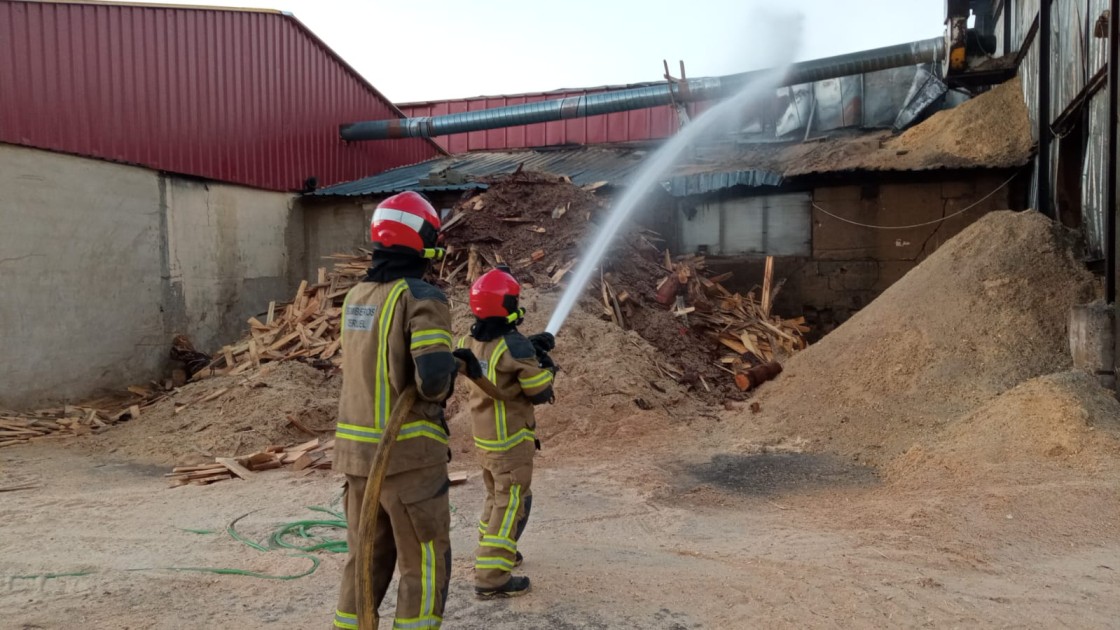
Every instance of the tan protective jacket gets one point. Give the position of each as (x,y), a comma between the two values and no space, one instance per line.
(394,334)
(507,429)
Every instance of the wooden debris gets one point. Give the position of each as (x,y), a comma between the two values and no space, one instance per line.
(457,478)
(740,323)
(317,454)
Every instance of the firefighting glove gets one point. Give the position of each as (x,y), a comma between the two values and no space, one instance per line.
(543,342)
(547,363)
(470,363)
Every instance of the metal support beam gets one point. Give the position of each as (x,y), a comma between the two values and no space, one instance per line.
(1113,145)
(1045,203)
(1007,17)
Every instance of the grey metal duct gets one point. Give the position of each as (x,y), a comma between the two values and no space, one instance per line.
(702,89)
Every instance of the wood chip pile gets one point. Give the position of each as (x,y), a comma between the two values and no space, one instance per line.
(314,455)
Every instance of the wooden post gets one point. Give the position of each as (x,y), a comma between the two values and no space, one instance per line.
(767,281)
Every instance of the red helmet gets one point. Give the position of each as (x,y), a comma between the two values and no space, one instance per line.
(495,294)
(406,223)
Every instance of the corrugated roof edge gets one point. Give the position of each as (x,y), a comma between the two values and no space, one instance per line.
(285,14)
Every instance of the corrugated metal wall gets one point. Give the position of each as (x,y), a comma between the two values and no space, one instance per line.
(1077,55)
(249,97)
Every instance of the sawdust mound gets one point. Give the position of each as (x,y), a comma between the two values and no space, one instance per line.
(987,311)
(608,392)
(255,412)
(1059,420)
(992,129)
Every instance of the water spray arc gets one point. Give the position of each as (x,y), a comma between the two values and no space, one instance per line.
(651,173)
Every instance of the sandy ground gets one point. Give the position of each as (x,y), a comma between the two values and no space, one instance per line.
(653,539)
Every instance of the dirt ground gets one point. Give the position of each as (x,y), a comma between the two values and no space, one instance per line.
(656,537)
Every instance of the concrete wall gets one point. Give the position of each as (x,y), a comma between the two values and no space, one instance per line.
(333,225)
(102,264)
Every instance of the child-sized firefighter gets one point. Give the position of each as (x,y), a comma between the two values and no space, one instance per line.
(395,334)
(522,373)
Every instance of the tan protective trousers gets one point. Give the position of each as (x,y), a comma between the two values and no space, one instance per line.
(413,533)
(509,500)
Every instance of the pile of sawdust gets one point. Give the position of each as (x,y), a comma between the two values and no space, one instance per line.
(989,131)
(987,311)
(1060,420)
(608,392)
(255,412)
(992,130)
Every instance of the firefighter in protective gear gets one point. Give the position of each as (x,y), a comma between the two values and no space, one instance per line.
(395,333)
(521,371)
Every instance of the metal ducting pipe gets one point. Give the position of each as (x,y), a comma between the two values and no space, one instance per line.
(702,89)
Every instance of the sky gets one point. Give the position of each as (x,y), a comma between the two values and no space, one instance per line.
(437,49)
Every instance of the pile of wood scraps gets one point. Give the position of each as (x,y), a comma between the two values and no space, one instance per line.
(317,454)
(92,417)
(312,455)
(740,323)
(307,328)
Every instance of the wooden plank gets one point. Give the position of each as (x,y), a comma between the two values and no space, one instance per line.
(234,467)
(271,313)
(767,280)
(457,478)
(214,395)
(300,448)
(307,460)
(211,479)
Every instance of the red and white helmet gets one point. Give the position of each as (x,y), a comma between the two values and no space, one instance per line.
(495,294)
(406,223)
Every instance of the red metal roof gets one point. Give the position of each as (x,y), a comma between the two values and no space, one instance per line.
(243,96)
(642,124)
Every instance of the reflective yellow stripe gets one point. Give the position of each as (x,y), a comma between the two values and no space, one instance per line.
(499,542)
(536,381)
(345,620)
(381,381)
(482,525)
(493,562)
(462,342)
(427,579)
(511,511)
(499,406)
(430,337)
(409,430)
(497,446)
(342,320)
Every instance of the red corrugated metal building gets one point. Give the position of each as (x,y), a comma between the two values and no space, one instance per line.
(235,95)
(652,123)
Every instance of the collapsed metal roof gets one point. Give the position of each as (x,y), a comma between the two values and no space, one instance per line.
(584,165)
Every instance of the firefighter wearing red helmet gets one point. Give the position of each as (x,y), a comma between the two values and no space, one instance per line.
(504,430)
(395,333)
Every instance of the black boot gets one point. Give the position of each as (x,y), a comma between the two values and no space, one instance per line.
(520,558)
(516,586)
